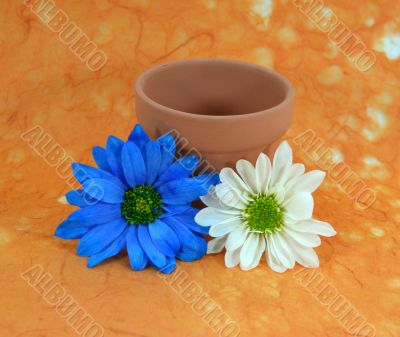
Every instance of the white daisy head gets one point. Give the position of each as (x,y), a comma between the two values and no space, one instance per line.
(267,208)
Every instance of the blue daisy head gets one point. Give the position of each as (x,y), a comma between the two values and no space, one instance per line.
(139,198)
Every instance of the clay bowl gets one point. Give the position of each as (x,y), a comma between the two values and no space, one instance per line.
(224,109)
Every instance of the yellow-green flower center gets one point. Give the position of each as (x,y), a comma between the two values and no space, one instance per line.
(263,214)
(141,205)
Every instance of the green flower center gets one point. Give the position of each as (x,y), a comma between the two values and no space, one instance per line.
(263,214)
(141,205)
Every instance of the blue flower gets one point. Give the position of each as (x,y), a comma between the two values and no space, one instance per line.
(139,198)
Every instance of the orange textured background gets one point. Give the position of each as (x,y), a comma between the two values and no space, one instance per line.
(355,113)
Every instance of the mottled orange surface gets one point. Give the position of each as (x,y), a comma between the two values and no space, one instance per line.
(355,113)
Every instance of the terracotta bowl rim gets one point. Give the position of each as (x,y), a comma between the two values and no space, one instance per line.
(158,68)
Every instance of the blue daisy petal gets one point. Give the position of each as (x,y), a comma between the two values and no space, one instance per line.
(182,191)
(153,161)
(139,137)
(168,142)
(70,230)
(208,179)
(113,151)
(164,238)
(137,257)
(84,172)
(191,211)
(96,214)
(192,245)
(171,210)
(189,255)
(133,164)
(168,150)
(170,266)
(100,157)
(182,168)
(112,250)
(100,237)
(104,190)
(79,198)
(189,222)
(154,255)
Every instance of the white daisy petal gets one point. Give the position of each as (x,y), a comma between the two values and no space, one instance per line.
(306,256)
(216,245)
(257,256)
(211,199)
(305,239)
(283,154)
(271,259)
(263,173)
(283,251)
(279,193)
(249,251)
(283,159)
(236,238)
(295,171)
(299,206)
(210,216)
(232,258)
(308,182)
(248,174)
(289,174)
(230,177)
(278,253)
(231,197)
(312,226)
(225,227)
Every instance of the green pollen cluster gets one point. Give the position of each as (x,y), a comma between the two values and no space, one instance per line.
(263,214)
(142,205)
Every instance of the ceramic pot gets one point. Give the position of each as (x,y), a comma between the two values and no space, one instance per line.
(224,109)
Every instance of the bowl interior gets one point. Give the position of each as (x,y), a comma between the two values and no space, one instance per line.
(214,87)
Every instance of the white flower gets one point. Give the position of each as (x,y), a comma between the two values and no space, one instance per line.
(266,208)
